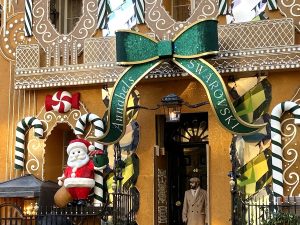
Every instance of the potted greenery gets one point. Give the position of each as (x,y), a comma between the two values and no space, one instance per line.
(282,218)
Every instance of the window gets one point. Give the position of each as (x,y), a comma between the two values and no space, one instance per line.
(64,14)
(182,9)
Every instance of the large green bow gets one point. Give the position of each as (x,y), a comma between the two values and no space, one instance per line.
(144,54)
(197,40)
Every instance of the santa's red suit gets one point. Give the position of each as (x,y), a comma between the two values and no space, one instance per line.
(79,181)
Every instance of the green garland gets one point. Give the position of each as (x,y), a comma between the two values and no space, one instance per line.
(282,218)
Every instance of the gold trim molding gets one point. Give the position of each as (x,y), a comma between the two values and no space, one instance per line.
(249,60)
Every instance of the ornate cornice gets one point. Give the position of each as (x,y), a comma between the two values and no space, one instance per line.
(251,60)
(280,58)
(62,76)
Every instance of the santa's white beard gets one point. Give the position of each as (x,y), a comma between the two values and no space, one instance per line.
(77,162)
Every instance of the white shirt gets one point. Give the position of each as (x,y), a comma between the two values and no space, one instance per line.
(195,191)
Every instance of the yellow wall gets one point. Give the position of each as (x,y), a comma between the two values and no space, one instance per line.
(284,86)
(4,99)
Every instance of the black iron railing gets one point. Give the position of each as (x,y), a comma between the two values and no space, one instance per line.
(88,215)
(120,211)
(282,211)
(123,212)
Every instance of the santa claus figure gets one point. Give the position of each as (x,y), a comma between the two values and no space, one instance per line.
(78,177)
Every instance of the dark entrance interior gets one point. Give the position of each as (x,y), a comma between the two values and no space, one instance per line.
(185,145)
(55,151)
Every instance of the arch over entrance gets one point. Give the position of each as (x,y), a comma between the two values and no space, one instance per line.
(185,50)
(36,148)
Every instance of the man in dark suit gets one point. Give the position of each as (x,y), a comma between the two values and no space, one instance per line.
(195,204)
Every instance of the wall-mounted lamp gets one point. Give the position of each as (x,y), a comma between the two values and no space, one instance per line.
(172,105)
(232,184)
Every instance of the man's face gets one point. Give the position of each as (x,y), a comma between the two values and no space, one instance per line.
(194,184)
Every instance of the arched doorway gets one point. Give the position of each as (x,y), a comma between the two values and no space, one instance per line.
(55,151)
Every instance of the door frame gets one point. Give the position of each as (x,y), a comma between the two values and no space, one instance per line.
(208,180)
(161,177)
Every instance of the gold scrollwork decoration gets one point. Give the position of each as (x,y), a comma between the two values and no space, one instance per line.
(13,36)
(161,23)
(290,9)
(48,37)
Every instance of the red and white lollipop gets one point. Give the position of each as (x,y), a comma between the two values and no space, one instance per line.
(62,101)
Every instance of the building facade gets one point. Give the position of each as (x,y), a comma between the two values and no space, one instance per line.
(58,65)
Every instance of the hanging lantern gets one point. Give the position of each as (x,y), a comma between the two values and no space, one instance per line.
(172,107)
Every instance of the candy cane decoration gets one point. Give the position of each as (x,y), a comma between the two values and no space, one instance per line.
(22,127)
(99,130)
(139,8)
(272,5)
(277,171)
(102,13)
(223,7)
(92,118)
(28,18)
(98,188)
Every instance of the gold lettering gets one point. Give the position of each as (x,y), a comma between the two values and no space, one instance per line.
(123,81)
(191,65)
(228,119)
(234,126)
(220,95)
(124,89)
(119,126)
(121,95)
(224,111)
(213,85)
(220,102)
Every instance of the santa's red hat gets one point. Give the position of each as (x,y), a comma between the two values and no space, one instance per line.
(80,143)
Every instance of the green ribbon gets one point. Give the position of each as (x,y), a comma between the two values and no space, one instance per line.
(144,54)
